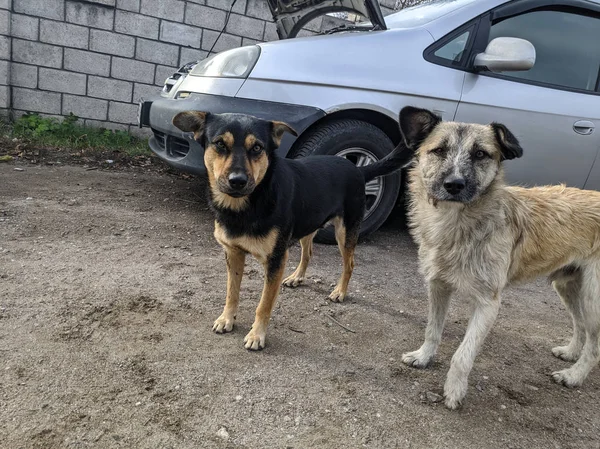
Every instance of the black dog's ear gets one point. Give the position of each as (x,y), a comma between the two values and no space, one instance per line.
(191,121)
(509,144)
(277,130)
(416,124)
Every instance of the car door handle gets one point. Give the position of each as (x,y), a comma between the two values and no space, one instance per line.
(583,127)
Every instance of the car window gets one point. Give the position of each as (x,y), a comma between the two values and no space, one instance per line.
(453,50)
(566,46)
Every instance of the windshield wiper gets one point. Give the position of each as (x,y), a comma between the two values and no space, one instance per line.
(352,28)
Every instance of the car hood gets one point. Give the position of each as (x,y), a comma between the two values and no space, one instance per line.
(292,15)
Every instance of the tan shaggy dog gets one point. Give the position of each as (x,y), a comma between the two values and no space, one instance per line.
(477,235)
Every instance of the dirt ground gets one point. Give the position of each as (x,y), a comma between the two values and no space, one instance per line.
(109,285)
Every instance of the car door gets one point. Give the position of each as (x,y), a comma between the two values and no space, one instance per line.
(553,108)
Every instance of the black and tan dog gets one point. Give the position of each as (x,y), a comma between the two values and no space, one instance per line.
(263,203)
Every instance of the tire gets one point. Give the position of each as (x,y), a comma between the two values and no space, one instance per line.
(358,141)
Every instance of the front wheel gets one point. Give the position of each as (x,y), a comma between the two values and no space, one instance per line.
(363,144)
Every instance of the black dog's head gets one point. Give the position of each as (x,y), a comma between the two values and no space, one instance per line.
(237,148)
(457,161)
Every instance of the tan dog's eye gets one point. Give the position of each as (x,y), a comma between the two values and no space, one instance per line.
(256,149)
(438,151)
(480,154)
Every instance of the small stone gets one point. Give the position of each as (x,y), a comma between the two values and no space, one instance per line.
(19,169)
(479,387)
(223,434)
(531,387)
(433,397)
(503,407)
(287,418)
(137,404)
(238,398)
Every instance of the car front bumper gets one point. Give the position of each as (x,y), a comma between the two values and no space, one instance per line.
(181,151)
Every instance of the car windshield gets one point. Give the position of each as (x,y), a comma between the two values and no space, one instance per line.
(424,13)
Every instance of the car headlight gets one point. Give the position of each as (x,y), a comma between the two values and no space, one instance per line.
(235,63)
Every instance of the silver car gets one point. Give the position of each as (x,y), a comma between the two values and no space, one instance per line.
(531,64)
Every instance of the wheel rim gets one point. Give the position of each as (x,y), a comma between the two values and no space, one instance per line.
(374,188)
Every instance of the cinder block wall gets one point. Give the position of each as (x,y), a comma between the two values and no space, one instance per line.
(97,58)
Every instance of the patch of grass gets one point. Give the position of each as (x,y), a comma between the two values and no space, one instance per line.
(41,131)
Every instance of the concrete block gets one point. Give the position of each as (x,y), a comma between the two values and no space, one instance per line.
(246,41)
(164,9)
(23,75)
(4,97)
(106,125)
(4,21)
(96,16)
(5,49)
(270,32)
(35,100)
(109,89)
(62,81)
(101,2)
(191,55)
(36,53)
(112,43)
(87,62)
(131,70)
(50,9)
(152,51)
(144,91)
(259,9)
(25,27)
(162,73)
(205,17)
(238,8)
(64,34)
(85,107)
(136,24)
(129,5)
(180,34)
(5,4)
(122,112)
(5,72)
(246,26)
(225,42)
(141,133)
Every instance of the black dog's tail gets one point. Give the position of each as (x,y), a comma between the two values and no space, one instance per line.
(399,158)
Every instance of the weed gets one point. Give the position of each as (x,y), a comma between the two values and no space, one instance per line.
(68,133)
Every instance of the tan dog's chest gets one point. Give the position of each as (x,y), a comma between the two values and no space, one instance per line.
(260,247)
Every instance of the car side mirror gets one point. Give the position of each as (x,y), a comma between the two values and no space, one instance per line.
(506,54)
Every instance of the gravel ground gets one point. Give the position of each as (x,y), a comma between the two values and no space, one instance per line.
(109,285)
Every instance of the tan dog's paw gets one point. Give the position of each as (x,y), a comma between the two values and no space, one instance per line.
(293,281)
(223,324)
(567,377)
(255,340)
(566,353)
(417,359)
(337,295)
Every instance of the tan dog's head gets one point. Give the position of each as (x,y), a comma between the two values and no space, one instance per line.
(457,161)
(237,149)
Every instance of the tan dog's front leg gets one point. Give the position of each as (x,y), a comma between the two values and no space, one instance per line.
(236,259)
(274,269)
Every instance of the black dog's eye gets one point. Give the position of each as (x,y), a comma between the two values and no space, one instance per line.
(438,151)
(480,154)
(220,145)
(256,149)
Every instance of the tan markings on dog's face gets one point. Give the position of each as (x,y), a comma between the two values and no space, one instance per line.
(458,152)
(258,160)
(218,166)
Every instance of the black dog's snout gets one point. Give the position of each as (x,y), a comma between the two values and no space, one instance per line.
(238,180)
(454,185)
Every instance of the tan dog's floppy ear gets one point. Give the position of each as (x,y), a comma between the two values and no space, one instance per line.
(416,124)
(278,128)
(509,144)
(191,121)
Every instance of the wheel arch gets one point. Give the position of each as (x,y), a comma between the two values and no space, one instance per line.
(382,121)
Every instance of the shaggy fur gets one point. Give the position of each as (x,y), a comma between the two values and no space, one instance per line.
(477,235)
(263,203)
